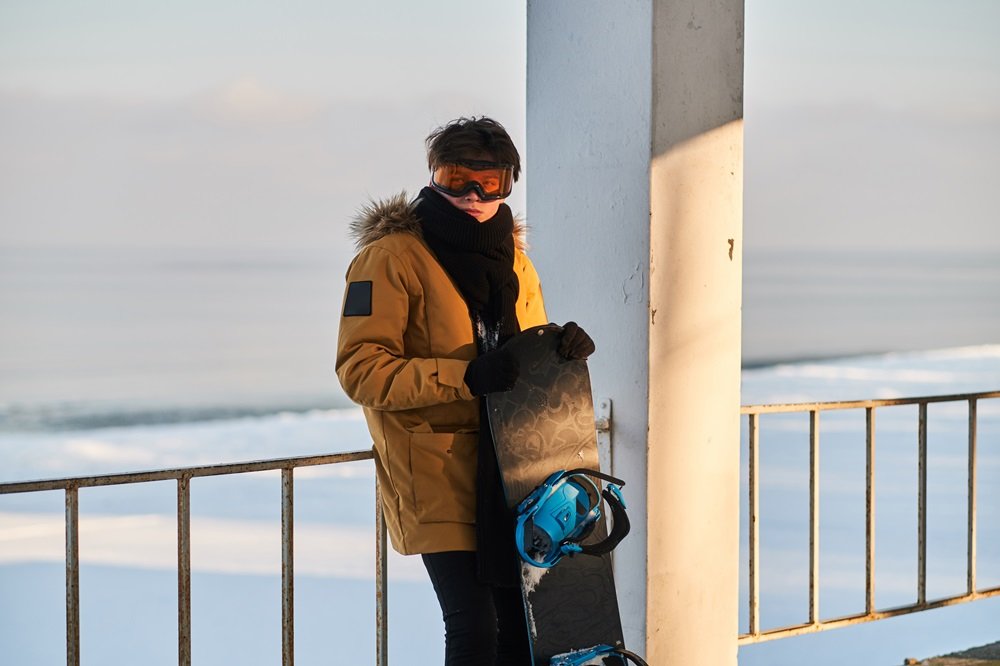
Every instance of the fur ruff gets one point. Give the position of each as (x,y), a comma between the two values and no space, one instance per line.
(378,219)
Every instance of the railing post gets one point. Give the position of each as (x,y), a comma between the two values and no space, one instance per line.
(184,571)
(381,584)
(753,527)
(813,516)
(869,510)
(287,569)
(72,576)
(922,506)
(971,549)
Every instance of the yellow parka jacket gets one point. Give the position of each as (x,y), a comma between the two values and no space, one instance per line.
(405,341)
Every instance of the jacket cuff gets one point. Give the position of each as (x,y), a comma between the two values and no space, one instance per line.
(451,372)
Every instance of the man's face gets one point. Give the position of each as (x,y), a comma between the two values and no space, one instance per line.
(471,203)
(481,168)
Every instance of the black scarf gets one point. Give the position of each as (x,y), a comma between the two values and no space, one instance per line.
(479,258)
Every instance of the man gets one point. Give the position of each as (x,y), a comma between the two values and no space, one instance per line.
(438,284)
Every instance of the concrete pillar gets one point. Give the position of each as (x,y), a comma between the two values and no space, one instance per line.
(634,202)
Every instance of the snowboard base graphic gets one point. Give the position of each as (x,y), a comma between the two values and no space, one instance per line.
(543,425)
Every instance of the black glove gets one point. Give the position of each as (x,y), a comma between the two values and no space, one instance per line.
(575,344)
(492,372)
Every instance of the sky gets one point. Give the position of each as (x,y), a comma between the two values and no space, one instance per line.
(211,124)
(208,124)
(872,124)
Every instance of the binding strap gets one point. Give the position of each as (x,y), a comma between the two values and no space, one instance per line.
(611,656)
(612,495)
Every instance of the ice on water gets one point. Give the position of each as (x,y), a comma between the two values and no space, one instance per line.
(128,533)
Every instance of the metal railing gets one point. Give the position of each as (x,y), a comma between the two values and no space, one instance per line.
(183,476)
(815,623)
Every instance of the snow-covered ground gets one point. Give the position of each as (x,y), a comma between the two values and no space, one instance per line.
(128,533)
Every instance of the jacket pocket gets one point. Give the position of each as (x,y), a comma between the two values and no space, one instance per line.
(443,466)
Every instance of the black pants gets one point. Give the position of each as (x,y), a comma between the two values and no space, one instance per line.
(484,625)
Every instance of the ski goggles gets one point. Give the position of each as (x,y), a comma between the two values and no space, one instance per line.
(490,180)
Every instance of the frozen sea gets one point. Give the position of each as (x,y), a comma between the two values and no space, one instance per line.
(114,361)
(128,583)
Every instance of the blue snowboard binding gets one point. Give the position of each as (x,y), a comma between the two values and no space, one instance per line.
(588,656)
(562,512)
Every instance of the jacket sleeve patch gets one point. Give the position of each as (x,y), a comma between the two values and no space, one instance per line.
(358,302)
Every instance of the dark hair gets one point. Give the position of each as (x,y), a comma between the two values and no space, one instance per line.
(472,139)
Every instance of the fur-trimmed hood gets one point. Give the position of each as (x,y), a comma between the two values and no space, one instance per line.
(378,219)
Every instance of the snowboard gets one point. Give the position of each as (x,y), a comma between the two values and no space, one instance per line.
(543,425)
